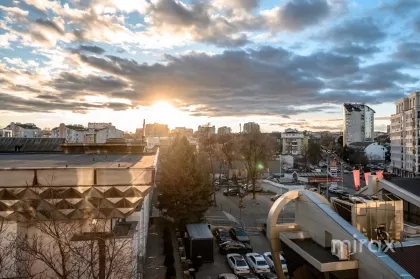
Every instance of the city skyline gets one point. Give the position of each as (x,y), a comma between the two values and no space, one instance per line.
(284,64)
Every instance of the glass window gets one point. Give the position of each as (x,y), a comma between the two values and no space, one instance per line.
(261,263)
(240,263)
(240,233)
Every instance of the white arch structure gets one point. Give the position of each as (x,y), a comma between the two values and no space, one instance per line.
(274,229)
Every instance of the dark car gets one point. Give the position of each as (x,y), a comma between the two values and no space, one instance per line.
(233,192)
(235,247)
(239,235)
(268,275)
(248,276)
(222,235)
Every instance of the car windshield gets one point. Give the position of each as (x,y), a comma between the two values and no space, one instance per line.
(283,261)
(224,233)
(240,263)
(240,233)
(270,257)
(261,263)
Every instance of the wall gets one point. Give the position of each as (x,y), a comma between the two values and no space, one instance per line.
(277,188)
(108,133)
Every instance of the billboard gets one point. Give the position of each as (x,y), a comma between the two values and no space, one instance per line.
(323,179)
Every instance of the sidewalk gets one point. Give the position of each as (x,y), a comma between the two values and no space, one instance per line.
(154,268)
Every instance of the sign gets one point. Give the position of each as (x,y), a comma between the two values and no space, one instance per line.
(380,174)
(333,164)
(323,179)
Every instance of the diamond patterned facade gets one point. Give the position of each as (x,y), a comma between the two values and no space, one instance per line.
(72,193)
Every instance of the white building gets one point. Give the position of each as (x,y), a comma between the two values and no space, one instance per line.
(98,126)
(375,152)
(109,132)
(4,133)
(27,130)
(251,127)
(358,123)
(293,142)
(405,136)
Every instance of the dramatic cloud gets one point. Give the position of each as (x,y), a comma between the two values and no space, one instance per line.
(356,50)
(408,52)
(402,7)
(360,30)
(296,15)
(92,49)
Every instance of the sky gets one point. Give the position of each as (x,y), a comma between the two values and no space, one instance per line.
(282,64)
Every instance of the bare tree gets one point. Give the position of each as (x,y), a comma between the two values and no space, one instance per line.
(209,145)
(228,151)
(255,149)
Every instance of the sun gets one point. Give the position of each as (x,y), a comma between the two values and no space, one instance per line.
(165,113)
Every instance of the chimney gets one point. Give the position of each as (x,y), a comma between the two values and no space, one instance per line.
(240,128)
(62,130)
(144,129)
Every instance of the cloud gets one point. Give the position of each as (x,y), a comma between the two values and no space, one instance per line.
(92,49)
(53,26)
(355,31)
(297,15)
(356,49)
(258,79)
(401,7)
(408,52)
(247,5)
(317,125)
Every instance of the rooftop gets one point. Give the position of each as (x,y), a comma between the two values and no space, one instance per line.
(407,257)
(411,185)
(76,160)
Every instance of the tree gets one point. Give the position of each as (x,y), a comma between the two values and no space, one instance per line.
(208,144)
(255,150)
(312,153)
(184,184)
(228,150)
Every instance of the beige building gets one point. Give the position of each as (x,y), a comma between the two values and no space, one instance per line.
(157,130)
(405,136)
(293,142)
(224,130)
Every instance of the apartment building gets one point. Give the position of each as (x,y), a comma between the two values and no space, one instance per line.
(206,130)
(81,134)
(251,127)
(188,132)
(4,133)
(405,136)
(224,130)
(157,130)
(293,142)
(27,130)
(358,123)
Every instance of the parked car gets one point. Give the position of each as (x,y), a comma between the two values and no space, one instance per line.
(334,189)
(222,235)
(268,275)
(231,247)
(346,171)
(233,192)
(239,235)
(248,276)
(269,258)
(275,197)
(238,264)
(227,276)
(257,263)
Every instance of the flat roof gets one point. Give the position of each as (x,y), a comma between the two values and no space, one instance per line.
(199,231)
(321,254)
(407,258)
(76,160)
(411,185)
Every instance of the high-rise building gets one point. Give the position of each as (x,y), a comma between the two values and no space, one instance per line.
(183,131)
(157,130)
(206,130)
(405,138)
(224,130)
(251,127)
(358,123)
(293,142)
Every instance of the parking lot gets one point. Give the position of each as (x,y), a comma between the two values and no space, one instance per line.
(251,218)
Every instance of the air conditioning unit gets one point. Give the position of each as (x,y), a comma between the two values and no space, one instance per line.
(340,249)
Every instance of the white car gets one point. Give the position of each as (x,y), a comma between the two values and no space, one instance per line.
(257,263)
(333,189)
(269,259)
(238,264)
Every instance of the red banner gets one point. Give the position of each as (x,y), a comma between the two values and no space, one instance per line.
(367,174)
(380,174)
(356,176)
